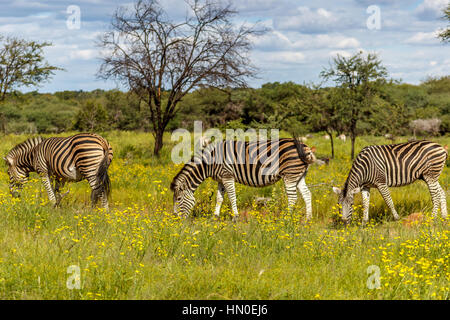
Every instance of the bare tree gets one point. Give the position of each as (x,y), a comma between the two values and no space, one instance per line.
(161,60)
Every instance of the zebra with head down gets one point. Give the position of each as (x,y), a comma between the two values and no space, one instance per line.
(82,156)
(255,164)
(394,165)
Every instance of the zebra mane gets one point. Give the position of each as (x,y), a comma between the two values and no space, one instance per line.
(345,188)
(24,147)
(174,180)
(204,145)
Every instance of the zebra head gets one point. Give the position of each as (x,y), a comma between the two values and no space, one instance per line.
(17,176)
(309,152)
(183,200)
(18,161)
(345,202)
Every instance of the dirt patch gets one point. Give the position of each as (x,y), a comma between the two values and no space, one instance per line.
(413,219)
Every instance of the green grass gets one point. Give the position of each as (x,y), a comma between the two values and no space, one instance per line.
(141,251)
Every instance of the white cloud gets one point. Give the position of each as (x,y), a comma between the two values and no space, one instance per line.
(304,19)
(342,53)
(28,4)
(424,38)
(431,9)
(83,54)
(301,40)
(287,57)
(277,40)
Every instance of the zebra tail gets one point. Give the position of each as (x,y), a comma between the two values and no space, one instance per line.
(103,181)
(300,149)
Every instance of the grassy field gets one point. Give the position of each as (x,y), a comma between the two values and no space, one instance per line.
(139,250)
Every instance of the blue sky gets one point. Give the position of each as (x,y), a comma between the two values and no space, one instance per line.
(302,39)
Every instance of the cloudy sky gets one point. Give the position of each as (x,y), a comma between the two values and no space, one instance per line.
(303,36)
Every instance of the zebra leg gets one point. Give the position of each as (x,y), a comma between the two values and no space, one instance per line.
(290,185)
(92,180)
(365,193)
(58,196)
(48,186)
(104,200)
(229,188)
(306,194)
(443,202)
(435,191)
(102,196)
(219,198)
(383,189)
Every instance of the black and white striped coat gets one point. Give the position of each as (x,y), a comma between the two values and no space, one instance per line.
(82,156)
(255,164)
(394,165)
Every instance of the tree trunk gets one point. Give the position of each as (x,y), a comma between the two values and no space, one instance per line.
(2,123)
(353,138)
(158,141)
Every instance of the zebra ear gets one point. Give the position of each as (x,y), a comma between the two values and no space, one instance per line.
(337,190)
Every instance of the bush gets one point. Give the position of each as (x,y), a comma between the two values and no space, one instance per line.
(92,117)
(430,126)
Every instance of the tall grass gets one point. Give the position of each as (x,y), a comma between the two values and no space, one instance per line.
(139,250)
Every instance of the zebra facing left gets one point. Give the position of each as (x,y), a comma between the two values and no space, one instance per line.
(256,164)
(394,165)
(59,160)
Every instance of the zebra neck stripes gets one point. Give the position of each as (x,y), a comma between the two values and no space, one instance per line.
(22,154)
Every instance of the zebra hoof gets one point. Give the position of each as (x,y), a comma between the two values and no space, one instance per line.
(235,219)
(346,222)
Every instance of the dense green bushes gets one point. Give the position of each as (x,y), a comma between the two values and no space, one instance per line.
(275,105)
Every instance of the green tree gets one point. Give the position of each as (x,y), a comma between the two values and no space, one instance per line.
(445,34)
(326,112)
(124,110)
(92,117)
(22,64)
(278,105)
(361,77)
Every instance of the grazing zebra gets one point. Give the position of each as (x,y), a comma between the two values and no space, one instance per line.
(82,156)
(394,165)
(255,164)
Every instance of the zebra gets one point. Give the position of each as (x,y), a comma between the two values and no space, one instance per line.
(394,165)
(254,163)
(81,156)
